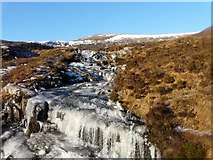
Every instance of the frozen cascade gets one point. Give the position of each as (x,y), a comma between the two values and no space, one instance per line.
(112,132)
(79,120)
(113,139)
(83,114)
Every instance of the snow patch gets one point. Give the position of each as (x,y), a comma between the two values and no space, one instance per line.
(134,36)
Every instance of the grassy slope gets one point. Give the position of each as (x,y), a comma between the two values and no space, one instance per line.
(52,60)
(169,84)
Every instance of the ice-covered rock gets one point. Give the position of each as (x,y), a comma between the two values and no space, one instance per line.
(16,148)
(6,135)
(36,111)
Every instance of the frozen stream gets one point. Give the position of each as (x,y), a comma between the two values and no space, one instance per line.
(81,121)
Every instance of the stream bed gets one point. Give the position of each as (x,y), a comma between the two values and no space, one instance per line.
(79,121)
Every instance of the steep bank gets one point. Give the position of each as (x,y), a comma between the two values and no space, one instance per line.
(169,84)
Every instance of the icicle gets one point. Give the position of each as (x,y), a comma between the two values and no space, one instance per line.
(112,139)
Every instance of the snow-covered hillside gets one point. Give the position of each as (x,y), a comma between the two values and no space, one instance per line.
(116,38)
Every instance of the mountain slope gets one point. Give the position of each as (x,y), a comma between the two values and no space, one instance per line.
(169,83)
(165,79)
(205,32)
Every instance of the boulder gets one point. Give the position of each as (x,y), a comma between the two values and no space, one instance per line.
(36,111)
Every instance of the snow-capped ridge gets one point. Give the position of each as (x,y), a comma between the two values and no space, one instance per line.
(116,38)
(138,36)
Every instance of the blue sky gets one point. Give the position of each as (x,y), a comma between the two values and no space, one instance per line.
(70,21)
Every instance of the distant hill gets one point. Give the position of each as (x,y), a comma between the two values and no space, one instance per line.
(205,32)
(115,39)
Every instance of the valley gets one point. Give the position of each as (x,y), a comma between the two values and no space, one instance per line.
(107,96)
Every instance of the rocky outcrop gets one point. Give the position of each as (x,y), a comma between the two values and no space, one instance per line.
(22,105)
(14,106)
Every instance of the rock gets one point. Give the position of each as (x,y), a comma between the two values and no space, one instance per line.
(15,105)
(15,90)
(34,126)
(13,111)
(36,112)
(27,132)
(42,111)
(6,135)
(49,82)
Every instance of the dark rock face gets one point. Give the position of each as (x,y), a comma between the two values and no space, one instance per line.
(42,113)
